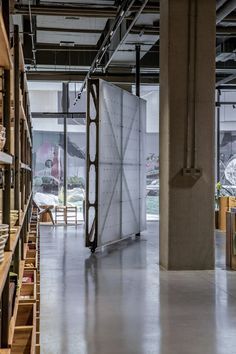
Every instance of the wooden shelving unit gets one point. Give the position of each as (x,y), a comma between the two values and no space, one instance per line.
(5,55)
(20,303)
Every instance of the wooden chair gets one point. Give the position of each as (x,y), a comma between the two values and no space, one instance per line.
(43,210)
(71,215)
(60,214)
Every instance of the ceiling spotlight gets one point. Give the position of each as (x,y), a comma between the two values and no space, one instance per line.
(75,18)
(67,44)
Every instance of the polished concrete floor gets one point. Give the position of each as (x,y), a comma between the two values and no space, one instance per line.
(121,303)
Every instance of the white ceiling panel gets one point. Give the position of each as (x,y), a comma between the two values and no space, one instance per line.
(147,19)
(57,37)
(144,38)
(71,23)
(124,55)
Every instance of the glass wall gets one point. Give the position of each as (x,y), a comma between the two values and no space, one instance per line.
(49,155)
(151,95)
(76,144)
(48,161)
(48,143)
(227,148)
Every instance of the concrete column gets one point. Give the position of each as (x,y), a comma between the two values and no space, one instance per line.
(187,97)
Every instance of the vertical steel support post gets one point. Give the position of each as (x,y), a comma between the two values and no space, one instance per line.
(7,124)
(65,108)
(137,70)
(137,79)
(218,135)
(17,118)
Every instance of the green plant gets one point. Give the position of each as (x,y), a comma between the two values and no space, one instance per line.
(78,181)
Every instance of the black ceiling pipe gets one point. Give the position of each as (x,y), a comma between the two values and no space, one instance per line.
(225,10)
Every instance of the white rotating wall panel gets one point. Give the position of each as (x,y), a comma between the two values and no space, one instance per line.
(131,165)
(110,162)
(142,170)
(120,174)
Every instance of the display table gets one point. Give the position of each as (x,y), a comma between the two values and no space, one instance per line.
(225,204)
(46,213)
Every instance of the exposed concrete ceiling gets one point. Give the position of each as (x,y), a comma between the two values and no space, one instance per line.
(67,35)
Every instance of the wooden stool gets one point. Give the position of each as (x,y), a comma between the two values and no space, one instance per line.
(44,211)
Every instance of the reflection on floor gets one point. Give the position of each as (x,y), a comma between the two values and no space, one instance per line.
(120,303)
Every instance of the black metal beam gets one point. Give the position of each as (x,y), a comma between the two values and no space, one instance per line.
(62,48)
(228,87)
(225,30)
(226,80)
(139,29)
(84,59)
(80,11)
(65,108)
(137,68)
(59,115)
(67,58)
(116,78)
(69,30)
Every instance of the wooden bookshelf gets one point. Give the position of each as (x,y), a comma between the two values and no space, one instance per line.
(18,334)
(5,54)
(13,319)
(4,269)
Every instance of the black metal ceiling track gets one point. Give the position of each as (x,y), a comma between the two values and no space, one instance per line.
(121,13)
(111,40)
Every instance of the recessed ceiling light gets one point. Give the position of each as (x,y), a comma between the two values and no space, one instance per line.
(67,44)
(74,18)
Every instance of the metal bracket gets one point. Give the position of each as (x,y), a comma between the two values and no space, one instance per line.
(194,173)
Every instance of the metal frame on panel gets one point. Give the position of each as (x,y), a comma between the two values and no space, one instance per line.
(91,221)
